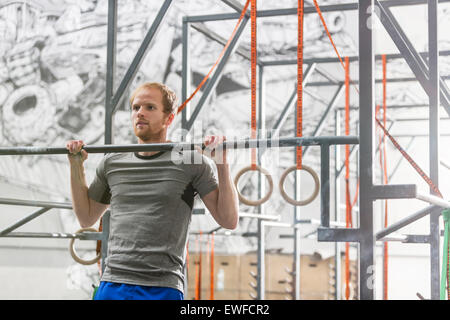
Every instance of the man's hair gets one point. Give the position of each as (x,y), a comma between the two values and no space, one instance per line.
(168,96)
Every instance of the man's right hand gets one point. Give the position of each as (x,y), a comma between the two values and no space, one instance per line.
(76,153)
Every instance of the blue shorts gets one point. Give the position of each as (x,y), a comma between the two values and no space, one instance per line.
(122,291)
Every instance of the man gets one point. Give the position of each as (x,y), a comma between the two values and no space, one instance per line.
(150,198)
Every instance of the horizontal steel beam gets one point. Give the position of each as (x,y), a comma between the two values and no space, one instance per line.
(307,10)
(56,235)
(237,144)
(399,191)
(32,203)
(339,234)
(321,60)
(355,82)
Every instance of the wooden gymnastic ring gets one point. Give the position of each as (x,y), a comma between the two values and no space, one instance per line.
(74,255)
(269,179)
(307,200)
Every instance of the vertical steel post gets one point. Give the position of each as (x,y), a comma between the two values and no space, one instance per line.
(337,207)
(261,287)
(325,185)
(110,74)
(366,131)
(433,62)
(185,88)
(297,217)
(110,68)
(185,76)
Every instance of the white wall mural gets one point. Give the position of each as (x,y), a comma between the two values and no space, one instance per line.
(53,70)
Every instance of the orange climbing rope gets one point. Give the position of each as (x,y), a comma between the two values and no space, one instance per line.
(211,295)
(198,269)
(253,60)
(300,16)
(183,105)
(410,160)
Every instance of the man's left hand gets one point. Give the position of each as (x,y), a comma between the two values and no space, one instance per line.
(214,149)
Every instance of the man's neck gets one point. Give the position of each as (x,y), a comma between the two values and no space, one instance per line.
(148,141)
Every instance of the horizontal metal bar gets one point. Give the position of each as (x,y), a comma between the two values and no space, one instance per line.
(237,144)
(307,10)
(405,221)
(32,203)
(355,82)
(417,238)
(56,235)
(317,222)
(394,191)
(259,216)
(321,60)
(407,238)
(280,224)
(339,234)
(394,237)
(401,106)
(433,200)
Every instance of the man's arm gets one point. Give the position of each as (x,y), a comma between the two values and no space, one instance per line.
(223,201)
(87,210)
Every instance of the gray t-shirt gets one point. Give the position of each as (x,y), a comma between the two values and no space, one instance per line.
(151,200)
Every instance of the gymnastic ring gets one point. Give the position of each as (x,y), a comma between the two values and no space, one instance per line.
(269,179)
(73,253)
(307,200)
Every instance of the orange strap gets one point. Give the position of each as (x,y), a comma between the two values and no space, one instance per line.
(211,295)
(300,16)
(329,36)
(253,58)
(410,160)
(198,270)
(183,105)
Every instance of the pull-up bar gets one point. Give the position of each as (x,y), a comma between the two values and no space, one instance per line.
(236,144)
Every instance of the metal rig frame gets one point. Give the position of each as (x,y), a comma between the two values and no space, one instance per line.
(426,71)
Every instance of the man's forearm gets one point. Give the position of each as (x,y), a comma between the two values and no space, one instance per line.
(228,205)
(79,190)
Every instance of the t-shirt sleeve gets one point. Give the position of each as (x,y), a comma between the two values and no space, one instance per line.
(204,180)
(99,188)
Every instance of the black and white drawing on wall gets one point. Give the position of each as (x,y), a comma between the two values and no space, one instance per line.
(53,70)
